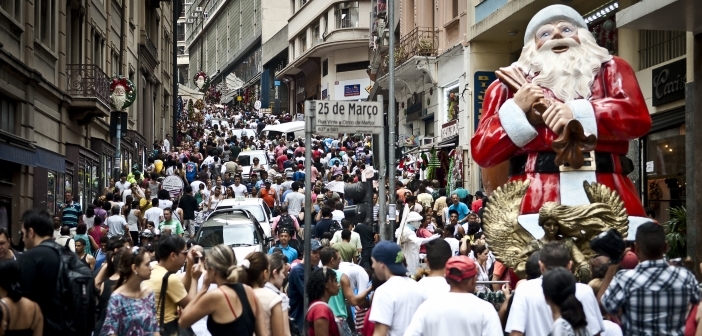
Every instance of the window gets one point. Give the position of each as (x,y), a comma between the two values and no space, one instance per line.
(325,67)
(363,65)
(44,22)
(454,8)
(658,46)
(12,8)
(451,105)
(347,15)
(303,42)
(316,35)
(98,50)
(180,36)
(8,114)
(665,171)
(116,67)
(132,4)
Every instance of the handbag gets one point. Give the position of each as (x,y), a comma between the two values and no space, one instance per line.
(170,328)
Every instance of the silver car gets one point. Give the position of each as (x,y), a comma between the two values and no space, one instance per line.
(237,228)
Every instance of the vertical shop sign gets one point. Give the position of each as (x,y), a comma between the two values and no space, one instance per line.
(481,81)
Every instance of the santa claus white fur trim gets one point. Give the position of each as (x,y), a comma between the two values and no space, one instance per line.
(515,123)
(552,14)
(584,112)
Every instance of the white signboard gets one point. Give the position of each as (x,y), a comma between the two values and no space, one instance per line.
(334,117)
(354,89)
(173,184)
(649,167)
(449,130)
(257,105)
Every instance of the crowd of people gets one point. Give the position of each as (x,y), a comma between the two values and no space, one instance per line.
(147,275)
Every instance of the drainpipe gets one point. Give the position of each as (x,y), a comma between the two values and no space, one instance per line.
(123,31)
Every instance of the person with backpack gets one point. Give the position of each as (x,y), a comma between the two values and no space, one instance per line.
(288,222)
(65,239)
(325,224)
(55,279)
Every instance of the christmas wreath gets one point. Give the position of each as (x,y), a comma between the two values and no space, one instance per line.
(202,86)
(121,101)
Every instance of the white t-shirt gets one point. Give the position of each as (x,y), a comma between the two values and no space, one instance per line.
(433,286)
(395,302)
(455,245)
(239,190)
(561,327)
(125,194)
(338,215)
(154,215)
(611,329)
(295,201)
(358,278)
(455,314)
(163,204)
(531,314)
(122,186)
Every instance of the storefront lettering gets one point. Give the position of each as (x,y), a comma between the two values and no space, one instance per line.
(668,82)
(449,129)
(481,81)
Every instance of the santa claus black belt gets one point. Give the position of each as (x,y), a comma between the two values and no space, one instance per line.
(603,163)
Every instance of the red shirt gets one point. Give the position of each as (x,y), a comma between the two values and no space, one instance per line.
(280,160)
(321,311)
(476,205)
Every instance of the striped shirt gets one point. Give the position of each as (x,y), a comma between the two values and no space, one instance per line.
(70,214)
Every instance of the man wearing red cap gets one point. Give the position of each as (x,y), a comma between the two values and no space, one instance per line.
(458,312)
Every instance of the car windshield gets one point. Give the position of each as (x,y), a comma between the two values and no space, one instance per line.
(254,209)
(247,159)
(231,235)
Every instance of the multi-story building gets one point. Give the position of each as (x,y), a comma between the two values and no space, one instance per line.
(327,51)
(431,82)
(56,59)
(224,38)
(663,47)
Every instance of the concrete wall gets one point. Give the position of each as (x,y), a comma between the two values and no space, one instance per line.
(274,16)
(274,45)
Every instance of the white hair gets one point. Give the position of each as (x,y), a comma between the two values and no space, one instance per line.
(570,74)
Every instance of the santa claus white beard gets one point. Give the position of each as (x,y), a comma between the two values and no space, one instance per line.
(569,74)
(118,101)
(200,83)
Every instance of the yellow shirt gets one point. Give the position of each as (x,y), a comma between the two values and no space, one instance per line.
(144,204)
(158,166)
(175,292)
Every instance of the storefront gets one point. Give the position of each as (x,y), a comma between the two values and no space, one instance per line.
(86,183)
(50,176)
(140,148)
(664,146)
(106,153)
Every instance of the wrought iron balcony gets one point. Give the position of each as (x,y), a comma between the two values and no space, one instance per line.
(88,81)
(418,42)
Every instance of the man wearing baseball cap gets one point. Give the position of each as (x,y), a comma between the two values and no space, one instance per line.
(458,312)
(395,302)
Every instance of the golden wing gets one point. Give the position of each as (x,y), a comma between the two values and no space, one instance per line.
(599,194)
(503,233)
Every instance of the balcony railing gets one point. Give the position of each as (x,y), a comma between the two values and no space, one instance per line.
(88,81)
(418,42)
(151,47)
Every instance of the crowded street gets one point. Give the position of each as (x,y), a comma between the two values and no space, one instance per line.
(271,174)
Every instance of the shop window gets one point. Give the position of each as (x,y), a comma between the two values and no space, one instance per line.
(347,15)
(658,46)
(8,114)
(451,102)
(665,171)
(88,182)
(55,188)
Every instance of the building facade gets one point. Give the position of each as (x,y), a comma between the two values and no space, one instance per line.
(56,59)
(327,52)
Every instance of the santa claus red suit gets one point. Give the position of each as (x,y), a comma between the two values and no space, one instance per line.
(620,115)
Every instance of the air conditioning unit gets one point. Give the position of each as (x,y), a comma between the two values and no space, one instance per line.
(427,141)
(198,9)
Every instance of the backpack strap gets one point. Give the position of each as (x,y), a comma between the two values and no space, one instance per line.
(68,241)
(162,300)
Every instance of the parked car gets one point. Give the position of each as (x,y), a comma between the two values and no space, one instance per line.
(249,133)
(256,206)
(237,228)
(246,160)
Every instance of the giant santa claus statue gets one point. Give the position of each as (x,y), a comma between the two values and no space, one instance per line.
(563,65)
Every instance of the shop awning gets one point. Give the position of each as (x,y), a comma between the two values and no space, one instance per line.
(51,160)
(16,154)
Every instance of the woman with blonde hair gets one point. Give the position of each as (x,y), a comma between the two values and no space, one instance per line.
(257,274)
(233,309)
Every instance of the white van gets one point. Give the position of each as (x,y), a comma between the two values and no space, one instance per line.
(290,130)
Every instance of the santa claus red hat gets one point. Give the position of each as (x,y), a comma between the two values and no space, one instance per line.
(551,14)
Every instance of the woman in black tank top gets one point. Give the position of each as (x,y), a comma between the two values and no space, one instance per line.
(232,308)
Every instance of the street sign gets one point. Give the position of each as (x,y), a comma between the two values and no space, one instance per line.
(334,117)
(257,105)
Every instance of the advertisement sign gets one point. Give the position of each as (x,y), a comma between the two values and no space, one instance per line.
(352,90)
(449,130)
(408,140)
(334,117)
(668,82)
(481,81)
(173,184)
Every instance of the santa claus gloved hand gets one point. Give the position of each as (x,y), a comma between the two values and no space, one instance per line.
(557,116)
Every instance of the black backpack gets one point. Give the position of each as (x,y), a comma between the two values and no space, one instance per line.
(75,293)
(286,222)
(335,226)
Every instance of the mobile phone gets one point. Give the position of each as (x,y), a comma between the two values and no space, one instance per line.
(197,260)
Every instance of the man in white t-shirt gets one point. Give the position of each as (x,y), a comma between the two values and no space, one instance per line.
(238,188)
(355,237)
(395,302)
(122,184)
(531,315)
(295,201)
(458,312)
(438,253)
(454,243)
(154,214)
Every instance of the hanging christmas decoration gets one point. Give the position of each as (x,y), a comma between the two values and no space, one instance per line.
(213,95)
(123,93)
(432,165)
(199,105)
(202,81)
(191,109)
